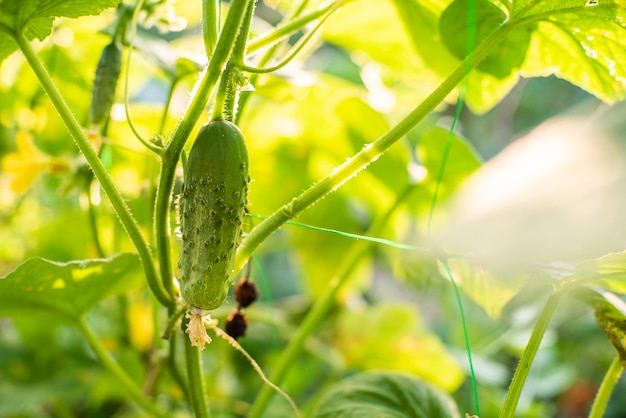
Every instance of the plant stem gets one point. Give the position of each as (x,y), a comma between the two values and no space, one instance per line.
(122,211)
(210,25)
(114,368)
(231,77)
(220,95)
(523,367)
(295,50)
(291,27)
(93,221)
(321,307)
(606,388)
(177,141)
(367,155)
(173,367)
(197,388)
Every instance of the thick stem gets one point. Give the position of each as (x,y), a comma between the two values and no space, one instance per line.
(363,158)
(321,308)
(114,368)
(122,211)
(177,141)
(173,367)
(210,25)
(197,388)
(523,367)
(220,96)
(606,388)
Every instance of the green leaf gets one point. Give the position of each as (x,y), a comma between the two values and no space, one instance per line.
(507,56)
(69,289)
(35,17)
(613,323)
(578,42)
(385,394)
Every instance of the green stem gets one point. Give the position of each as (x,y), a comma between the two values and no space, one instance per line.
(368,154)
(174,369)
(606,388)
(168,103)
(220,96)
(269,54)
(131,40)
(122,211)
(210,25)
(93,222)
(232,77)
(321,308)
(177,141)
(292,27)
(295,51)
(523,367)
(197,388)
(114,368)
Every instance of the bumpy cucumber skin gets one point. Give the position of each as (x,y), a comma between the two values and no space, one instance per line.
(212,207)
(107,74)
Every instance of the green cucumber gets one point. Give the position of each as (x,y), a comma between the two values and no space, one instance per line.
(212,207)
(107,74)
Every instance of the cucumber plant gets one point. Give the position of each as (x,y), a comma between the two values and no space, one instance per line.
(479,49)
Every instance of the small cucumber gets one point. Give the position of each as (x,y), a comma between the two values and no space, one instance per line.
(212,209)
(107,74)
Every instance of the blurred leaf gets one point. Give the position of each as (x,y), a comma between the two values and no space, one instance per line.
(392,337)
(608,272)
(421,21)
(69,289)
(491,291)
(462,160)
(368,26)
(35,17)
(174,62)
(30,400)
(385,394)
(614,325)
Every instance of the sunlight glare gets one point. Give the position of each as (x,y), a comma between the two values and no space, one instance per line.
(554,195)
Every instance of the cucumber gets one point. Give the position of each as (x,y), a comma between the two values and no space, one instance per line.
(212,206)
(107,74)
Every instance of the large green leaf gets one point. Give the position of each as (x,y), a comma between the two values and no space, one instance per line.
(578,41)
(35,17)
(385,394)
(69,289)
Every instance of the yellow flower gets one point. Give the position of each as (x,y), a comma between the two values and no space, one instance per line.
(28,162)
